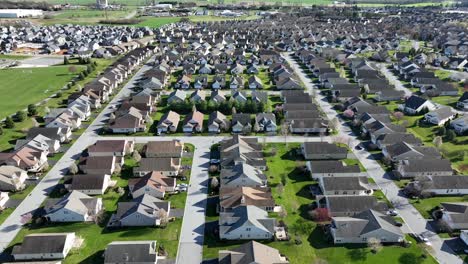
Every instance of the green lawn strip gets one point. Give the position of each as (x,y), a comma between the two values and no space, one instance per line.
(4,214)
(14,57)
(19,195)
(426,206)
(351,162)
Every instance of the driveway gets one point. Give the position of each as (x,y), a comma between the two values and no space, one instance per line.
(415,222)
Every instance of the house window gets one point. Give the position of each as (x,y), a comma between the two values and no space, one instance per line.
(248,229)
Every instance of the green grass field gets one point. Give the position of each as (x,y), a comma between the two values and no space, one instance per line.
(21,87)
(84,16)
(13,57)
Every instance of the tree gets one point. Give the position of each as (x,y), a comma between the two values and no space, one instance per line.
(214,183)
(280,189)
(450,135)
(283,213)
(398,116)
(437,142)
(32,110)
(34,122)
(334,124)
(1,130)
(319,215)
(73,169)
(442,131)
(136,156)
(89,69)
(65,60)
(374,244)
(348,113)
(20,116)
(163,217)
(72,69)
(9,122)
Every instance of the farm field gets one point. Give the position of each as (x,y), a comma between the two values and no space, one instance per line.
(83,16)
(23,86)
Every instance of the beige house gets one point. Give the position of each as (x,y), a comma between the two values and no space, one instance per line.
(73,207)
(252,252)
(164,149)
(12,178)
(154,184)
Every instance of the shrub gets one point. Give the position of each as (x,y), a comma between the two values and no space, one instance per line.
(9,122)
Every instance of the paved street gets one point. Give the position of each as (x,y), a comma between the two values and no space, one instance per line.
(12,225)
(392,78)
(415,222)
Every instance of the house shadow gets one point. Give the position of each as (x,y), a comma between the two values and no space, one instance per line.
(305,192)
(97,257)
(298,175)
(291,155)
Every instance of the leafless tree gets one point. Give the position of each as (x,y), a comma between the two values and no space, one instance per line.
(280,189)
(438,142)
(136,156)
(398,116)
(285,132)
(163,217)
(73,169)
(214,183)
(374,244)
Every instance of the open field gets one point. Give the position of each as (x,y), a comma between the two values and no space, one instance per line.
(295,198)
(83,16)
(21,87)
(13,57)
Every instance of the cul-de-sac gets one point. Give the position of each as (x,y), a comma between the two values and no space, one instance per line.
(234,132)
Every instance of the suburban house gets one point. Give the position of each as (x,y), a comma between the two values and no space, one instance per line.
(131,252)
(40,142)
(90,184)
(440,185)
(241,175)
(163,149)
(233,197)
(246,222)
(55,133)
(154,184)
(265,122)
(218,122)
(168,123)
(242,150)
(73,207)
(193,122)
(130,122)
(423,167)
(439,116)
(345,186)
(104,148)
(463,101)
(460,125)
(404,151)
(255,83)
(26,158)
(178,96)
(44,246)
(455,215)
(350,205)
(4,197)
(363,226)
(166,166)
(12,178)
(308,125)
(100,165)
(323,151)
(145,210)
(415,104)
(241,123)
(389,139)
(251,252)
(332,168)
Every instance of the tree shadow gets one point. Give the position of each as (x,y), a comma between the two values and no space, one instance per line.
(358,254)
(97,257)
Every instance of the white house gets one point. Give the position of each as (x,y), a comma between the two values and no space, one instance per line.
(44,246)
(74,207)
(3,199)
(439,116)
(12,178)
(246,222)
(460,125)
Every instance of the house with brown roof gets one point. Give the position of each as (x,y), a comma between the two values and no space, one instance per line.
(131,122)
(99,164)
(26,158)
(251,252)
(193,122)
(90,184)
(232,197)
(166,166)
(118,148)
(163,149)
(154,184)
(168,123)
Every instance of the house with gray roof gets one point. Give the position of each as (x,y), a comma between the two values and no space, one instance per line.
(460,125)
(323,151)
(241,123)
(423,167)
(241,175)
(404,151)
(363,226)
(265,122)
(131,252)
(44,246)
(246,222)
(332,168)
(73,207)
(218,122)
(345,186)
(439,185)
(145,210)
(439,116)
(350,205)
(455,215)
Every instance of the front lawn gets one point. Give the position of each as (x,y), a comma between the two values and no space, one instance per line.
(426,206)
(308,242)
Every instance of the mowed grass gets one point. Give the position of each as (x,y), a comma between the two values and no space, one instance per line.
(285,165)
(155,22)
(426,206)
(21,87)
(83,16)
(13,57)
